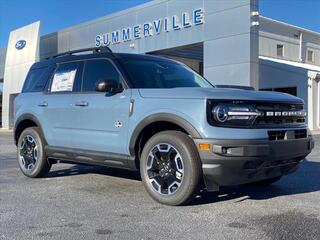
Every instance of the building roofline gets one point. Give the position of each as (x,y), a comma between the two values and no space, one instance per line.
(291,63)
(291,26)
(113,15)
(155,2)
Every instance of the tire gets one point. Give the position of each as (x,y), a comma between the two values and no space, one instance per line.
(31,155)
(184,171)
(267,182)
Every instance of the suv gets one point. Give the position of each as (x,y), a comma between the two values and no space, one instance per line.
(157,115)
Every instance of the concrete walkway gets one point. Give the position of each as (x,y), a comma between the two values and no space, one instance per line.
(5,130)
(316,132)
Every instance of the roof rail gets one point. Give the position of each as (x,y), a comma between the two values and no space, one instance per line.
(94,50)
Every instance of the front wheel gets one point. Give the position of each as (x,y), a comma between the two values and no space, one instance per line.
(170,168)
(31,156)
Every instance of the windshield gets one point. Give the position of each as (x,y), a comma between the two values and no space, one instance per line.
(162,74)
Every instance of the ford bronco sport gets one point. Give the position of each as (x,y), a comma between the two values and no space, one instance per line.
(157,115)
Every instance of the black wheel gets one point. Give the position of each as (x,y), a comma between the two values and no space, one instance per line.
(267,182)
(170,168)
(31,156)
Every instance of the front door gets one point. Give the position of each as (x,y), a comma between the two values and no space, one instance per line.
(100,119)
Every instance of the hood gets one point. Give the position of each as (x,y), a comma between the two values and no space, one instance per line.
(217,93)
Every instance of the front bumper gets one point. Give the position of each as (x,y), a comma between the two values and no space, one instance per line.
(235,162)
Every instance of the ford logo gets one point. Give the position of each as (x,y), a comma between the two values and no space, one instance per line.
(20,44)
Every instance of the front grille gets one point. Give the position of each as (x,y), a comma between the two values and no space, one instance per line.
(282,115)
(269,114)
(276,135)
(300,134)
(255,165)
(287,134)
(280,163)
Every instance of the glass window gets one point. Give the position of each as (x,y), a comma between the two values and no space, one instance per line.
(152,73)
(67,78)
(310,56)
(36,80)
(280,50)
(96,71)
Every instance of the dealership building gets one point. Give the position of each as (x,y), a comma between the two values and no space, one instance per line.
(225,41)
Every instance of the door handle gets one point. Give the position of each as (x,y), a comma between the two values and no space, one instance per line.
(81,104)
(43,104)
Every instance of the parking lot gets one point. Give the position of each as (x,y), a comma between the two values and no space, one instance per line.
(84,202)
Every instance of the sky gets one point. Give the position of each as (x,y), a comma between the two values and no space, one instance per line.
(58,14)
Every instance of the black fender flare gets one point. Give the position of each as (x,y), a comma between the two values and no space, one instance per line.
(23,117)
(161,117)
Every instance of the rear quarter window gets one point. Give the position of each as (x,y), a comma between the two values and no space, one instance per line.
(36,80)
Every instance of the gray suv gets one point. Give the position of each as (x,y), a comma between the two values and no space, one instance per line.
(156,115)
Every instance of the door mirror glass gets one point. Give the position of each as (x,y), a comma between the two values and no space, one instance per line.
(110,85)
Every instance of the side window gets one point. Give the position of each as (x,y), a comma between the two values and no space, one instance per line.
(310,56)
(67,77)
(36,80)
(280,52)
(98,70)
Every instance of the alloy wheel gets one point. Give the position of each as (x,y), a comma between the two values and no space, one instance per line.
(28,153)
(165,169)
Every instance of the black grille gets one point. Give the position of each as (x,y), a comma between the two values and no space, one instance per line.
(279,121)
(285,120)
(276,135)
(255,165)
(300,134)
(280,163)
(287,134)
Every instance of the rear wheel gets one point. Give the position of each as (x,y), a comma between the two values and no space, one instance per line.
(31,156)
(170,168)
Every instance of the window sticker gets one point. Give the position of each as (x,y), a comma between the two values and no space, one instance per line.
(63,81)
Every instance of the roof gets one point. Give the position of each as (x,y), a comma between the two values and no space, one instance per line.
(120,56)
(291,26)
(291,63)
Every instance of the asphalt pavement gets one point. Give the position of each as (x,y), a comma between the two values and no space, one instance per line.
(90,202)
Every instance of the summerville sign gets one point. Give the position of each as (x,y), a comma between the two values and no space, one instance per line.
(149,29)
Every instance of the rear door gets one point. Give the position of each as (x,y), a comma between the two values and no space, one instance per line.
(58,105)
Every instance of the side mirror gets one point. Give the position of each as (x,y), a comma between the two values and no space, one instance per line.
(111,86)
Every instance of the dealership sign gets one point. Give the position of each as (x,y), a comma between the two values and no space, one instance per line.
(20,44)
(149,29)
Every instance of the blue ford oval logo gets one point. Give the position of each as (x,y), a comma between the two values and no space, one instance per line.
(20,44)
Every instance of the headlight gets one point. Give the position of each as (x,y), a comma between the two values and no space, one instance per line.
(229,114)
(255,114)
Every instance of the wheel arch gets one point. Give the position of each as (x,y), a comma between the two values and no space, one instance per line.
(168,120)
(23,122)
